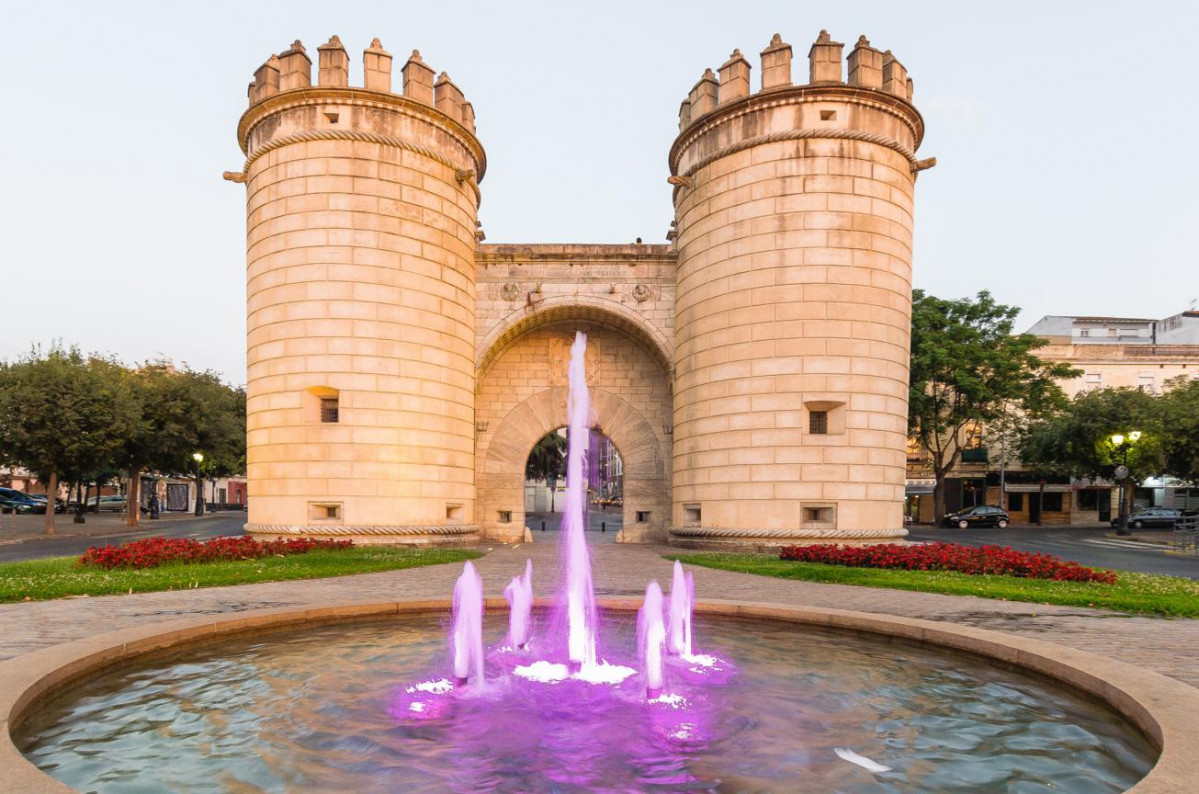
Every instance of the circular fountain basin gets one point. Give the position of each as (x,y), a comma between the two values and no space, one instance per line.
(327,707)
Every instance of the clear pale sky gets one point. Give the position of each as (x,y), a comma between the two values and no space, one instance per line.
(1065,133)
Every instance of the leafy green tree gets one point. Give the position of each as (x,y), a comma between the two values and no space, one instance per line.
(62,415)
(184,412)
(967,366)
(547,461)
(1179,416)
(1078,441)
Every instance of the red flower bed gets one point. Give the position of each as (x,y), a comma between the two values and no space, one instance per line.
(998,560)
(155,551)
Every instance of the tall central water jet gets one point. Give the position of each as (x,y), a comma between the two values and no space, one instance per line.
(580,596)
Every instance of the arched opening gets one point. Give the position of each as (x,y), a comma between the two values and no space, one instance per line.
(545,485)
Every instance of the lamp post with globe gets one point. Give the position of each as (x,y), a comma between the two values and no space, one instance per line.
(1121,443)
(199,458)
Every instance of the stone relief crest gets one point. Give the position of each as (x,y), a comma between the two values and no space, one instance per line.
(559,354)
(510,291)
(642,293)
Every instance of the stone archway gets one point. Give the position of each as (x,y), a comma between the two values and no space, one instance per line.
(500,488)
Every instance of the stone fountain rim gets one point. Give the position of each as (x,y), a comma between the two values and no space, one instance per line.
(1160,707)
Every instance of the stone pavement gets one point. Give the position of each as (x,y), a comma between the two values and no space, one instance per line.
(1162,645)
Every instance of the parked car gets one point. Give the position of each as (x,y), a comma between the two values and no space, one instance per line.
(1165,517)
(113,502)
(59,505)
(979,516)
(13,506)
(20,497)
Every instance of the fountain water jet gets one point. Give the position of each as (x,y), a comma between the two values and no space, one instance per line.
(466,636)
(519,594)
(682,598)
(651,639)
(580,594)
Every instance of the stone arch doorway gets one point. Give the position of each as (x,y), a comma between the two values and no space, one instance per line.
(521,395)
(501,482)
(545,486)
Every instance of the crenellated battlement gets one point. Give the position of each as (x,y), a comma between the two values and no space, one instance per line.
(865,96)
(868,68)
(291,70)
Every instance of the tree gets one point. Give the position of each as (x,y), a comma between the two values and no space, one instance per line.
(967,366)
(184,412)
(547,461)
(1078,442)
(62,416)
(1179,417)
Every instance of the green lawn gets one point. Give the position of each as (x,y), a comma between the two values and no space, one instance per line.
(60,576)
(1133,592)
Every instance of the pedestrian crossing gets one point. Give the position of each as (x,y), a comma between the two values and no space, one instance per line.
(1124,544)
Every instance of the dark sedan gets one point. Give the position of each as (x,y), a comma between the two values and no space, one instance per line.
(1165,517)
(980,516)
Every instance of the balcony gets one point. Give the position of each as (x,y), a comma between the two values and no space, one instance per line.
(978,455)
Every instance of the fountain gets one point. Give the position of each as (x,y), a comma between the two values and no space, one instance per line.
(519,595)
(553,714)
(467,638)
(651,638)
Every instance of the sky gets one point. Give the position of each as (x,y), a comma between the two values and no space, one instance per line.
(1065,135)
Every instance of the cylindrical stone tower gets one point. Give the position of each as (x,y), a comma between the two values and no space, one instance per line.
(361,209)
(793,211)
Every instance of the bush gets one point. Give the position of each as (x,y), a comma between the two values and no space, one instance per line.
(984,560)
(152,552)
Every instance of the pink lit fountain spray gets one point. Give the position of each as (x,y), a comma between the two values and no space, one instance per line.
(664,638)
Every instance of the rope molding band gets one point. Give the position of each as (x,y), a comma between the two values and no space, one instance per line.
(340,529)
(785,534)
(460,175)
(800,135)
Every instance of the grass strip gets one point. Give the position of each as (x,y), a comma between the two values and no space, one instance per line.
(1143,593)
(59,577)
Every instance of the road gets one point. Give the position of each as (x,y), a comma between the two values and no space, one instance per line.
(66,545)
(1086,545)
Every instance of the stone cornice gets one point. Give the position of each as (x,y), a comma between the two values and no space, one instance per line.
(573,254)
(359,97)
(890,104)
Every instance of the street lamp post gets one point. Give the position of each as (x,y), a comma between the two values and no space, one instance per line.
(1122,443)
(199,458)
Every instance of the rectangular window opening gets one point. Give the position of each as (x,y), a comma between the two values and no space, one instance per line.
(692,514)
(454,512)
(818,423)
(505,516)
(642,516)
(325,512)
(828,115)
(329,410)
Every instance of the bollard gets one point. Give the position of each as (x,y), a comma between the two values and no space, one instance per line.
(603,526)
(543,526)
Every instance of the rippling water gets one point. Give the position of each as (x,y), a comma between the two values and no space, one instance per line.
(310,712)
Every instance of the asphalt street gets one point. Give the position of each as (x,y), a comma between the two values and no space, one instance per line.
(1086,545)
(68,546)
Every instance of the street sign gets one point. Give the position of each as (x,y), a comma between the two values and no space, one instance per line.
(1121,472)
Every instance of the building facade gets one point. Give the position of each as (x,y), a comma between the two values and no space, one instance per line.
(1109,352)
(752,373)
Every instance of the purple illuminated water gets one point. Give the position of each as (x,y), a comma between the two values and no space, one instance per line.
(519,594)
(682,599)
(466,638)
(651,639)
(580,595)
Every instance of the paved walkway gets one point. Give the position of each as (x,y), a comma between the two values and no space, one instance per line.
(1166,646)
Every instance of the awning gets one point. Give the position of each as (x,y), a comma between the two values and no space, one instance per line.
(918,487)
(1037,488)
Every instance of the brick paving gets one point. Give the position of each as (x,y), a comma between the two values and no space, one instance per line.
(1163,645)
